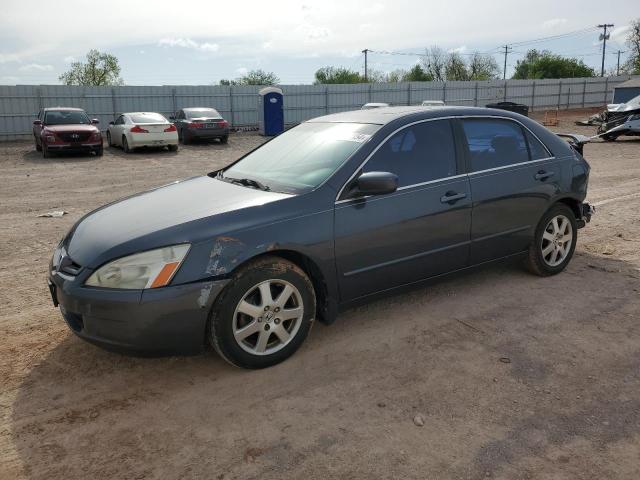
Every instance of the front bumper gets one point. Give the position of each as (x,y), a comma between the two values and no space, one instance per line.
(163,321)
(71,147)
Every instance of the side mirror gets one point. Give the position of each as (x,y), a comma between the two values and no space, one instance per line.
(95,121)
(172,117)
(37,122)
(111,123)
(375,183)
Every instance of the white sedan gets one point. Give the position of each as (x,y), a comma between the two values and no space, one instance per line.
(142,129)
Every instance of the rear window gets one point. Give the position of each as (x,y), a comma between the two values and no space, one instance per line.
(202,113)
(494,143)
(147,118)
(66,117)
(537,150)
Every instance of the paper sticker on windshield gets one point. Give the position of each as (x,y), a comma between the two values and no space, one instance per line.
(358,138)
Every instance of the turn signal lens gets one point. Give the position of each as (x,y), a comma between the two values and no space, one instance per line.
(151,269)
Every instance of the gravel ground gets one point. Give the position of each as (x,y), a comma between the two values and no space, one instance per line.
(513,376)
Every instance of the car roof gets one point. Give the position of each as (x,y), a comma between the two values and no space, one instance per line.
(57,109)
(198,108)
(384,115)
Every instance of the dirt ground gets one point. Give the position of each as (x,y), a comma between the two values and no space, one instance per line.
(515,376)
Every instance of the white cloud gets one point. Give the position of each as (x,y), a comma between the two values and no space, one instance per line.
(35,67)
(242,71)
(9,57)
(70,59)
(460,49)
(188,43)
(554,23)
(619,34)
(9,80)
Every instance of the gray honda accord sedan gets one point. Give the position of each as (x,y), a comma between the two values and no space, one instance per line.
(335,211)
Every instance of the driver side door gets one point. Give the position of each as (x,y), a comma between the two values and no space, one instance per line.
(419,231)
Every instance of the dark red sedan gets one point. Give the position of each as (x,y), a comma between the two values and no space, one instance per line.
(63,129)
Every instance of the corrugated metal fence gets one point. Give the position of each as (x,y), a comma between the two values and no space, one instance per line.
(238,104)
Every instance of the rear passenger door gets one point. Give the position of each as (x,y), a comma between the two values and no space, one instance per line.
(419,231)
(513,177)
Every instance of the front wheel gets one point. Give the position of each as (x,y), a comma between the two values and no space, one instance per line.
(554,242)
(38,146)
(109,142)
(263,315)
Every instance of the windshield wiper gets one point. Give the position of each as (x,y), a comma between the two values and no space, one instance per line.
(248,182)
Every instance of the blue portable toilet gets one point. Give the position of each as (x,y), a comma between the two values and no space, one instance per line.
(270,111)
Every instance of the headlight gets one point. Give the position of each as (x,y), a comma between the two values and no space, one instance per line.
(50,138)
(151,269)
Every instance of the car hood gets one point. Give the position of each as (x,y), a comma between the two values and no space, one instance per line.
(72,128)
(159,217)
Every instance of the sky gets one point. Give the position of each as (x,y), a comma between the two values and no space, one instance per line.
(199,42)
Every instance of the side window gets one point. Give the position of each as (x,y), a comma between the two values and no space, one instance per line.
(120,120)
(537,150)
(419,153)
(494,143)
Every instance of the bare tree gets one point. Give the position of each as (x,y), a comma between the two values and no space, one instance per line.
(632,65)
(456,68)
(482,67)
(434,63)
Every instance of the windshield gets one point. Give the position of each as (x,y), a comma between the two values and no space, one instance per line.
(66,117)
(202,112)
(302,158)
(147,118)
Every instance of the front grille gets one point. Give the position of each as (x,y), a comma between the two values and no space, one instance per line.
(72,268)
(74,136)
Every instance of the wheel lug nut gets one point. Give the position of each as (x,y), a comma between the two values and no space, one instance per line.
(266,308)
(276,321)
(277,309)
(266,327)
(259,319)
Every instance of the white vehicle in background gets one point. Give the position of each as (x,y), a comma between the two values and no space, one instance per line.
(369,106)
(142,129)
(432,103)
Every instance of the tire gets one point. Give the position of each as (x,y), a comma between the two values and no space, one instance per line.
(45,152)
(125,145)
(184,138)
(609,138)
(551,249)
(38,146)
(100,152)
(269,339)
(109,142)
(224,139)
(173,148)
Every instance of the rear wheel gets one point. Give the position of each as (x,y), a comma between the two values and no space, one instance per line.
(554,242)
(173,148)
(263,315)
(125,145)
(224,139)
(609,138)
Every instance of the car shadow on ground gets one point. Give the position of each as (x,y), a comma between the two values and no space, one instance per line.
(118,152)
(84,412)
(34,156)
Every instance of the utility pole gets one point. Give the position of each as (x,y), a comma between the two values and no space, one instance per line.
(604,37)
(507,49)
(618,67)
(365,51)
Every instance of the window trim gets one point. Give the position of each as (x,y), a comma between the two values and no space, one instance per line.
(338,200)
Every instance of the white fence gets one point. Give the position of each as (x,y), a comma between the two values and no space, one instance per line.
(238,104)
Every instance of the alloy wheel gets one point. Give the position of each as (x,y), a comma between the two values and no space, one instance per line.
(268,317)
(557,240)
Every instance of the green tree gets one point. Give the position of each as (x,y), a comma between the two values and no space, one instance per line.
(337,75)
(417,74)
(99,69)
(545,64)
(254,77)
(632,65)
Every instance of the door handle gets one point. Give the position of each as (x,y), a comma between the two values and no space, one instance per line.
(452,197)
(542,175)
